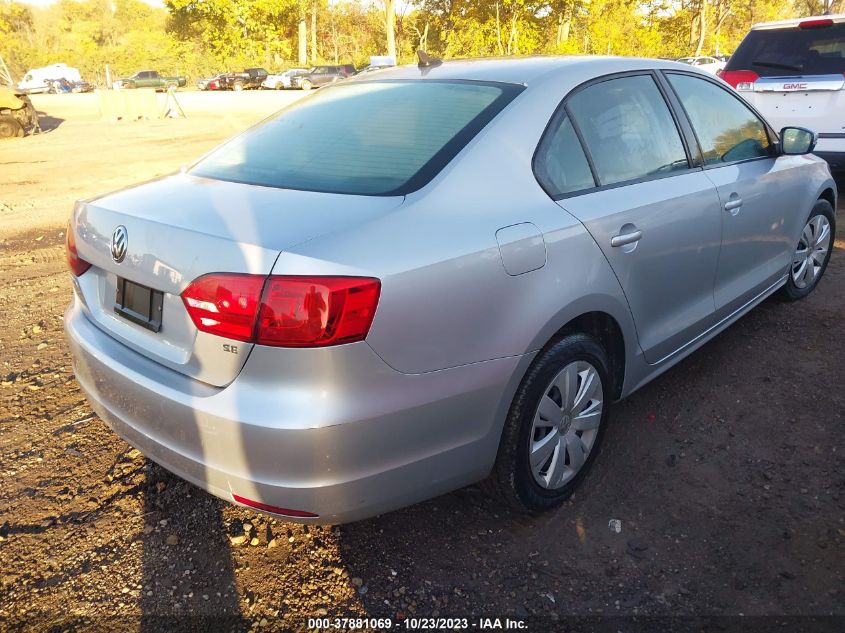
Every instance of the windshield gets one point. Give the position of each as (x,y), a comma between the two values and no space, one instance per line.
(776,52)
(365,138)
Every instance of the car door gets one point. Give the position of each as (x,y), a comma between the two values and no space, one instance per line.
(760,202)
(321,76)
(615,159)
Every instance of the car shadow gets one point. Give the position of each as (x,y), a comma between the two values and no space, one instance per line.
(188,576)
(48,123)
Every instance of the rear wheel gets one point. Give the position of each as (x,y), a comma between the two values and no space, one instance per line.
(306,84)
(238,86)
(812,253)
(10,127)
(555,425)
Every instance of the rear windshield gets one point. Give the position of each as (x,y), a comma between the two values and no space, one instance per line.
(366,138)
(792,51)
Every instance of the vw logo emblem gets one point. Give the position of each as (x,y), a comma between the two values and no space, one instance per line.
(119,243)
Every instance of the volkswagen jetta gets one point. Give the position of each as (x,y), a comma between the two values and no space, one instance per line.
(408,283)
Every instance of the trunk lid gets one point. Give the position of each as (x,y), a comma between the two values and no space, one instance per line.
(181,227)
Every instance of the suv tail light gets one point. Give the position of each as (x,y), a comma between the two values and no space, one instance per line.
(283,311)
(741,80)
(76,264)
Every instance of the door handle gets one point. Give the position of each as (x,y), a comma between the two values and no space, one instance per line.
(624,239)
(733,205)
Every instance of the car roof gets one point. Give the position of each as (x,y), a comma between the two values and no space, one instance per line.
(839,17)
(522,70)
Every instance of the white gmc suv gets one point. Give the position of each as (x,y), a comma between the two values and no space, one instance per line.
(793,72)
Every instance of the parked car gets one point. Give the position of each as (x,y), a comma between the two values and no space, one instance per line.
(371,68)
(710,64)
(321,76)
(406,284)
(217,83)
(203,82)
(63,86)
(36,80)
(281,80)
(378,62)
(151,79)
(793,71)
(249,79)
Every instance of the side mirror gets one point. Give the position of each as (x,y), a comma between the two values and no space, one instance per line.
(797,140)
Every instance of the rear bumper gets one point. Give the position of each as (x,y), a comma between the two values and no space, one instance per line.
(335,432)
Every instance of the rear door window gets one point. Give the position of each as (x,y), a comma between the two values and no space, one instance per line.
(628,129)
(727,130)
(792,51)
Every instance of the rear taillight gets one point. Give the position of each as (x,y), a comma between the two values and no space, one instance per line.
(225,304)
(820,23)
(283,311)
(316,311)
(76,264)
(740,79)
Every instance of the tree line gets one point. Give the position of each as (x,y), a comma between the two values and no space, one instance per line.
(202,37)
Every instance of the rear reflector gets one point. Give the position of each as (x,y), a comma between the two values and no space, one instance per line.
(283,311)
(76,264)
(815,24)
(274,509)
(741,80)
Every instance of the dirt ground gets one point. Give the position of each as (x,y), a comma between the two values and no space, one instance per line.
(727,473)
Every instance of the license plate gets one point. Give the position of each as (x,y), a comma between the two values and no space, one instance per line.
(139,304)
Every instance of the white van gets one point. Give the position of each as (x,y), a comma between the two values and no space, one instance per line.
(35,80)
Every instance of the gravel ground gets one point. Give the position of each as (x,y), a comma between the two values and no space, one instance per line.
(726,475)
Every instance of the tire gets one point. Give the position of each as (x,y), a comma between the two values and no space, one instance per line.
(10,127)
(513,479)
(238,86)
(306,84)
(805,272)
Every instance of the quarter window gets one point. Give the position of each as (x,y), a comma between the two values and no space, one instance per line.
(561,165)
(628,129)
(727,130)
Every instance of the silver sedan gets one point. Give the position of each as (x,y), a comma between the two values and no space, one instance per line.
(431,276)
